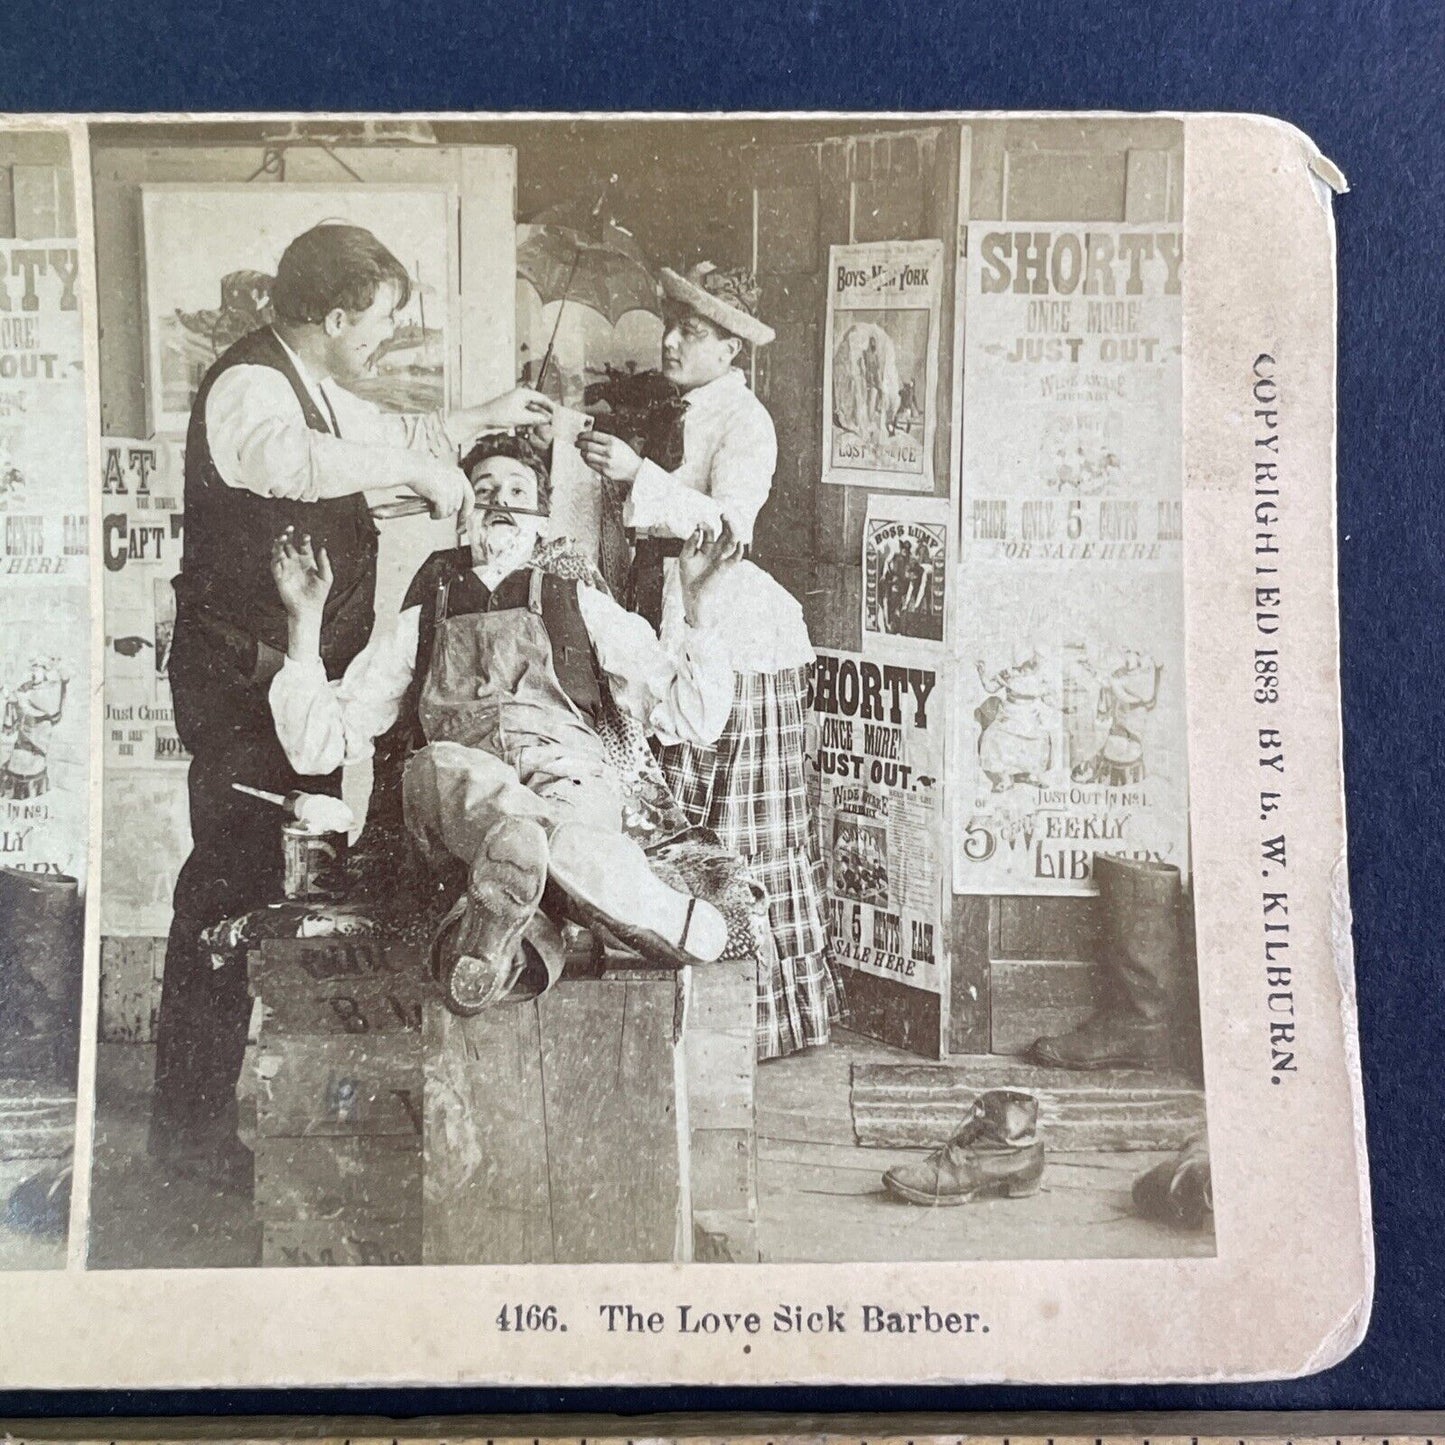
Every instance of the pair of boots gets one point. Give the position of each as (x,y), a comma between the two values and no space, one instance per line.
(1135,1025)
(495,945)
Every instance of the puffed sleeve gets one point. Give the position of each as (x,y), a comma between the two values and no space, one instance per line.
(680,694)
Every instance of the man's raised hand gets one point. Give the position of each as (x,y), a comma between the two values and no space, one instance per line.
(302,577)
(609,456)
(516,408)
(444,488)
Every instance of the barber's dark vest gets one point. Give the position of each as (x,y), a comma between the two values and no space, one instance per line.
(226,563)
(450,573)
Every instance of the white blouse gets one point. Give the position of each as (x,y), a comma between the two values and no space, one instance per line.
(729,455)
(752,618)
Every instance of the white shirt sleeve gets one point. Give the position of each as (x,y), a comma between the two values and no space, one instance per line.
(681,694)
(362,421)
(736,486)
(325,725)
(259,441)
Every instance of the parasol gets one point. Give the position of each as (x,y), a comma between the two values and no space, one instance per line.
(568,255)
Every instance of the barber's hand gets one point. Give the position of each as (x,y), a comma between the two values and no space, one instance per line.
(609,456)
(302,577)
(446,491)
(703,558)
(516,408)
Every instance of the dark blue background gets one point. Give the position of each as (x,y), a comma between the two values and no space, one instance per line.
(1365,80)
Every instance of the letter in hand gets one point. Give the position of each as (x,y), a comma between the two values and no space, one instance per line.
(302,577)
(703,559)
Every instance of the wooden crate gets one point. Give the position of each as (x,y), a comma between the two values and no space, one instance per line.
(609,1120)
(338,1101)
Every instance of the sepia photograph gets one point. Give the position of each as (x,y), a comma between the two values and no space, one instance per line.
(516,892)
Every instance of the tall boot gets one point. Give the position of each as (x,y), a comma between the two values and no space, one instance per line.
(997,1151)
(1140,961)
(41,952)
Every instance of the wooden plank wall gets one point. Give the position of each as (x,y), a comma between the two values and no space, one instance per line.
(809,197)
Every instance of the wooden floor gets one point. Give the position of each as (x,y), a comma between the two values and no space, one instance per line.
(821,1197)
(139,1219)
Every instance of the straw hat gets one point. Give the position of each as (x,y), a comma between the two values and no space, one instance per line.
(727,298)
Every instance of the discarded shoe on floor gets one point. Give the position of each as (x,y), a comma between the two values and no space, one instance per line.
(1179,1192)
(996,1152)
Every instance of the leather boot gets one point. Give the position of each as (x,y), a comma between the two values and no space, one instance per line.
(996,1152)
(41,954)
(476,956)
(1140,963)
(607,882)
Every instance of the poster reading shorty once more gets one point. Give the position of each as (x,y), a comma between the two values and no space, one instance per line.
(42,414)
(1068,700)
(878,752)
(44,562)
(878,382)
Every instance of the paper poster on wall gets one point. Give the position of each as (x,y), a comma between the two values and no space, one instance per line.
(44,728)
(1068,711)
(879,382)
(876,747)
(141,497)
(210,259)
(1072,390)
(142,851)
(1068,716)
(141,534)
(905,576)
(42,414)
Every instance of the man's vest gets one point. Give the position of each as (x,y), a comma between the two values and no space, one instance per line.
(225,579)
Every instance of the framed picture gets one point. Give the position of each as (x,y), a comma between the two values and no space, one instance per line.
(211,253)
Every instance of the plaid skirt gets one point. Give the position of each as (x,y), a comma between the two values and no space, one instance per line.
(750,789)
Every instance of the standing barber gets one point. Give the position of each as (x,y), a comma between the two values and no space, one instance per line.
(275,442)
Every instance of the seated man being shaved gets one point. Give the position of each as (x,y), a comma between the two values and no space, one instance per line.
(509,649)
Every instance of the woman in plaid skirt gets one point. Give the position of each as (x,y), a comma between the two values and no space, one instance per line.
(750,788)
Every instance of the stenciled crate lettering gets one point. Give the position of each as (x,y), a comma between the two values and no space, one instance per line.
(330,987)
(341,1242)
(324,960)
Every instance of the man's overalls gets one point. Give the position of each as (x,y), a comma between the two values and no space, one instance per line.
(508,708)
